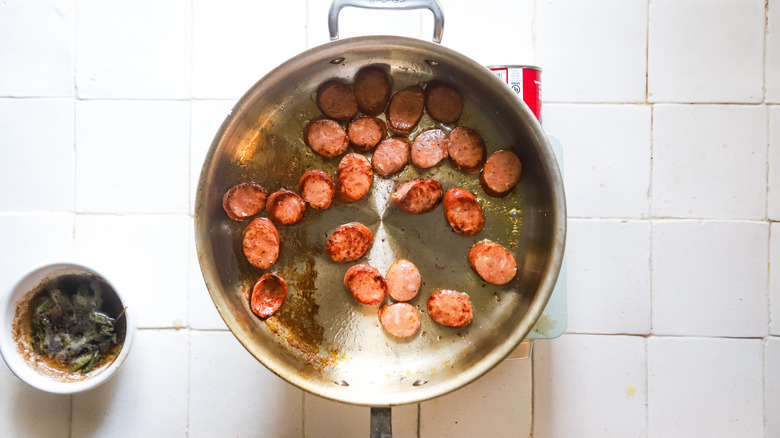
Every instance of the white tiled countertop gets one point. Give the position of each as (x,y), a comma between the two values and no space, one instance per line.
(669,112)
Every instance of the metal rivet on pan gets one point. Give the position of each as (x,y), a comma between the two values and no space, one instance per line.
(337,61)
(341,383)
(432,63)
(420,382)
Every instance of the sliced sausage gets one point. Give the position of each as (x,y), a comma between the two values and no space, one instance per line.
(391,156)
(349,242)
(405,109)
(317,189)
(326,137)
(366,284)
(399,319)
(268,295)
(261,243)
(403,280)
(443,102)
(450,308)
(366,132)
(244,200)
(429,148)
(354,177)
(286,207)
(466,149)
(501,173)
(463,212)
(418,196)
(492,262)
(336,100)
(372,90)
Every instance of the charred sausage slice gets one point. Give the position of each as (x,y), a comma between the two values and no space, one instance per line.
(405,109)
(391,156)
(244,200)
(463,212)
(354,177)
(492,262)
(466,149)
(261,243)
(286,207)
(429,148)
(317,189)
(366,284)
(366,132)
(336,100)
(403,280)
(501,173)
(418,196)
(443,102)
(268,295)
(349,242)
(326,137)
(400,319)
(372,90)
(450,308)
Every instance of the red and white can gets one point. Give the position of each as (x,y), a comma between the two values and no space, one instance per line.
(525,81)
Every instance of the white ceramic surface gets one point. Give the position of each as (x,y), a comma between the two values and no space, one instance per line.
(16,361)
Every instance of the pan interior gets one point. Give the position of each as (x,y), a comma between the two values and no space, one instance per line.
(322,339)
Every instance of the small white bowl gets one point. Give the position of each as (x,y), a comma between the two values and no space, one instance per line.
(19,362)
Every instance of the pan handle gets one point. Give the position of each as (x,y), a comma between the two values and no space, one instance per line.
(381,423)
(433,5)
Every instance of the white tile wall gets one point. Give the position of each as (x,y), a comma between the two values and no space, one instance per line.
(132,157)
(36,48)
(590,56)
(107,110)
(133,50)
(589,386)
(37,171)
(608,262)
(480,408)
(705,51)
(147,396)
(709,161)
(234,387)
(607,158)
(710,278)
(687,395)
(236,43)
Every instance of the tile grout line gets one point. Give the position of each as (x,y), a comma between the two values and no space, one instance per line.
(189,383)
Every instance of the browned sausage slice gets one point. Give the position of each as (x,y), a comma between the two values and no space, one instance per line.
(501,173)
(463,212)
(349,242)
(418,196)
(317,189)
(261,243)
(366,132)
(450,308)
(244,200)
(366,284)
(326,137)
(372,90)
(403,280)
(391,156)
(466,149)
(286,207)
(354,177)
(336,100)
(400,319)
(429,148)
(443,102)
(268,295)
(405,109)
(492,262)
